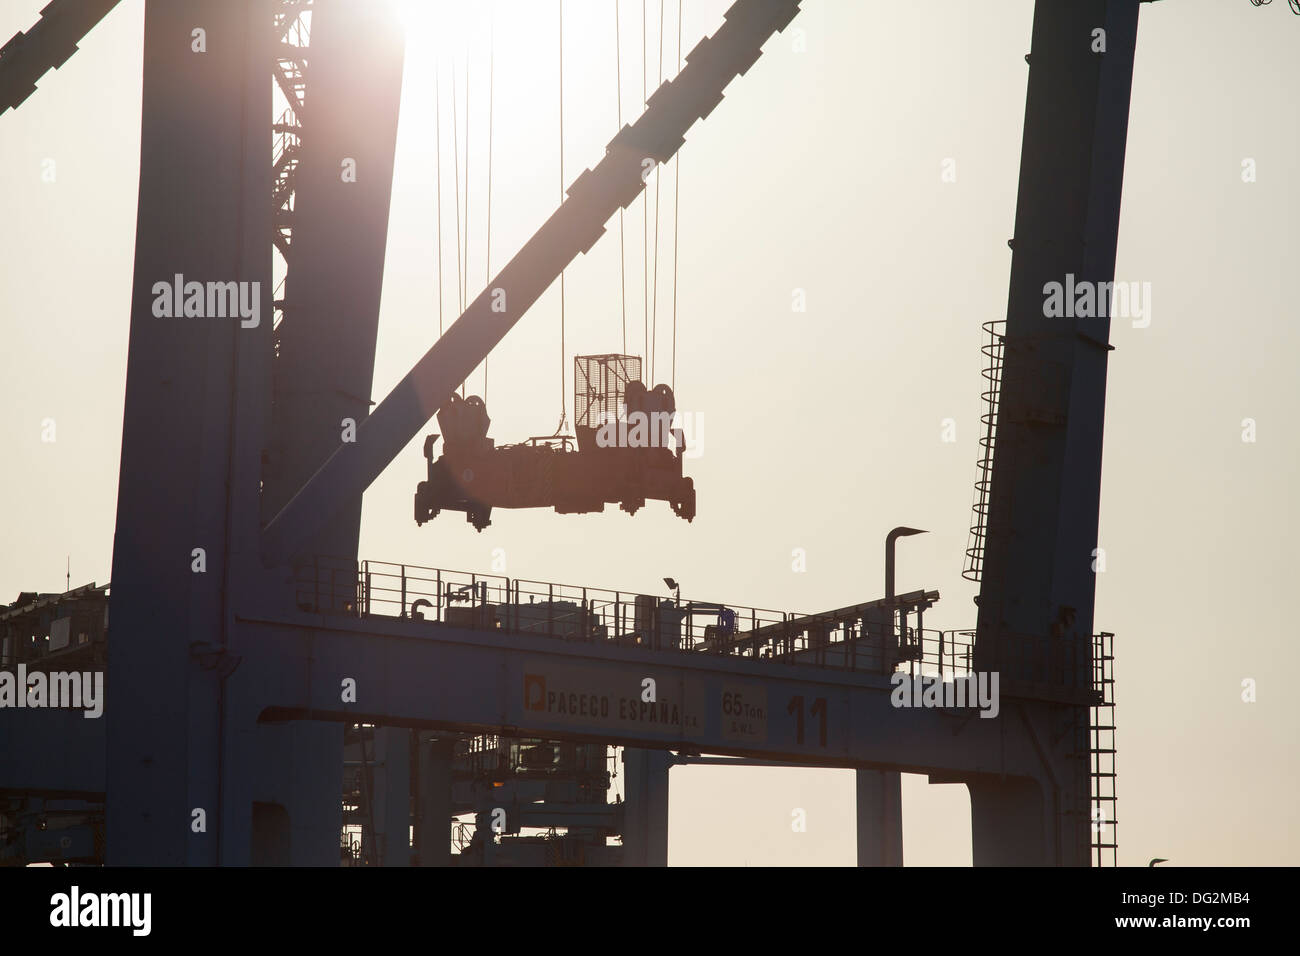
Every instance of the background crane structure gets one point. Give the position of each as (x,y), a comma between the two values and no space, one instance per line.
(293,693)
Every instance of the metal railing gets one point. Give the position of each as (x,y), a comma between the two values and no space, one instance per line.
(883,644)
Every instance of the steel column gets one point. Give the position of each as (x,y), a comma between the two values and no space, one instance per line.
(204,215)
(880,818)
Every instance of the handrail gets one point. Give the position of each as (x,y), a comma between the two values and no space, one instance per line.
(855,638)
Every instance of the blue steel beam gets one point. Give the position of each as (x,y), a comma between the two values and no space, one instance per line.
(880,818)
(325,365)
(407,673)
(52,751)
(191,427)
(1038,580)
(26,57)
(593,198)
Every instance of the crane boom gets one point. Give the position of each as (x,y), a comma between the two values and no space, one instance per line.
(46,46)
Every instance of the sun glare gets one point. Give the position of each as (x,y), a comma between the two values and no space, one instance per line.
(442,26)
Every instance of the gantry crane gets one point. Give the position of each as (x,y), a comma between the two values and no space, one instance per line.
(260,484)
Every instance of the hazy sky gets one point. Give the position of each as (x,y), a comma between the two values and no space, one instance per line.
(820,171)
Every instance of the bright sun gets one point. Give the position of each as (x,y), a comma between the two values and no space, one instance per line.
(444,24)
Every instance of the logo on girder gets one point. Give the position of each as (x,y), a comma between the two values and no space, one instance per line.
(534,692)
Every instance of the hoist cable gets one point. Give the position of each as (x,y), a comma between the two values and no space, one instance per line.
(487,269)
(437,139)
(645,216)
(455,149)
(564,400)
(677,191)
(464,282)
(654,308)
(618,88)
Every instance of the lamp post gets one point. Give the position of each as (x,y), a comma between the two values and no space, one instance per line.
(676,588)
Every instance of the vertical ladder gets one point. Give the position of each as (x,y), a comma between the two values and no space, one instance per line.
(1101,731)
(992,348)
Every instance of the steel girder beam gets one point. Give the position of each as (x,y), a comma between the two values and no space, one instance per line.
(325,366)
(1038,581)
(645,807)
(880,818)
(418,675)
(52,752)
(593,198)
(26,57)
(413,674)
(197,392)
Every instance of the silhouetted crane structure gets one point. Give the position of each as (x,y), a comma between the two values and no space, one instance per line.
(290,693)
